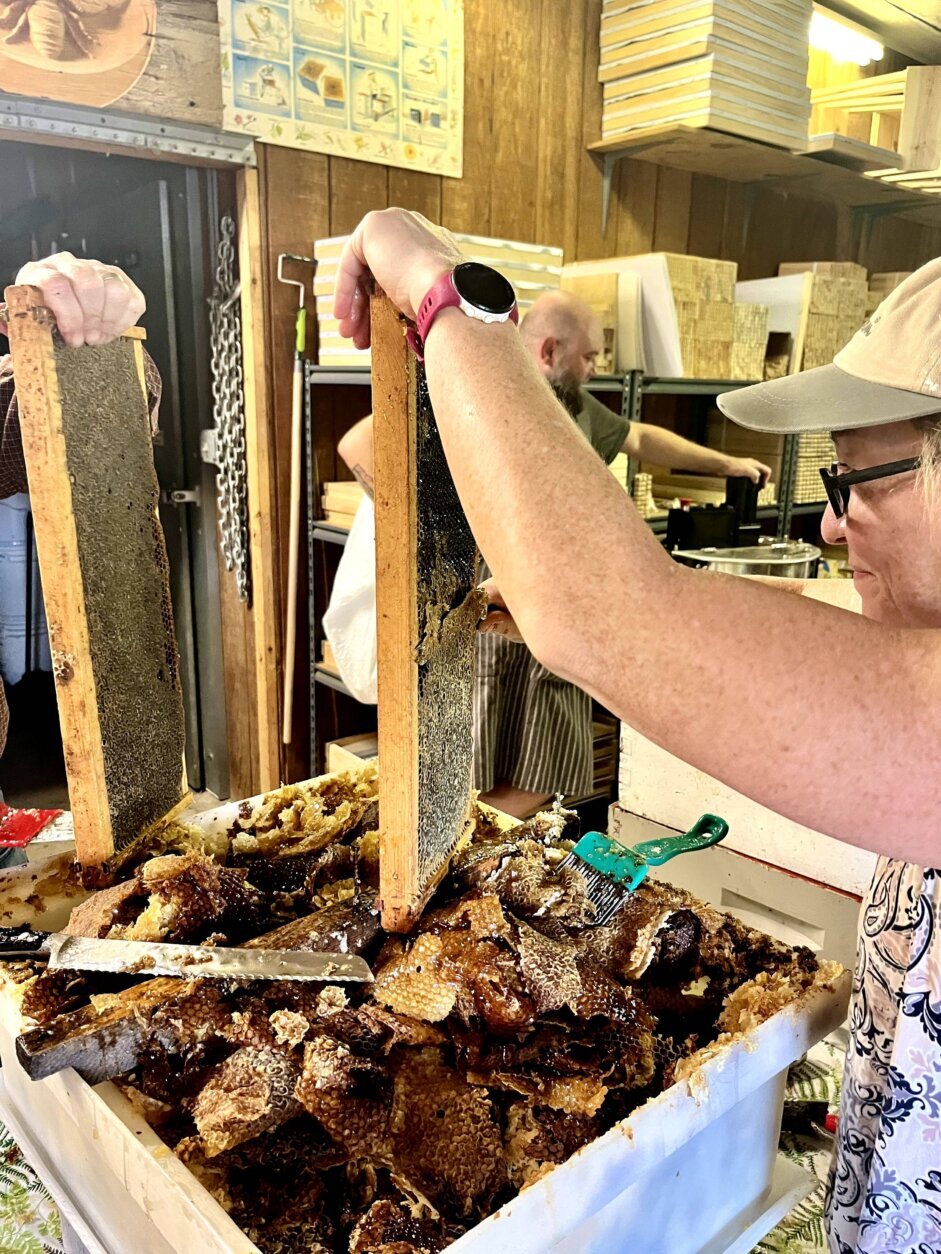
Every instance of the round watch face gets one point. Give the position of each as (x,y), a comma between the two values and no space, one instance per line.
(481,286)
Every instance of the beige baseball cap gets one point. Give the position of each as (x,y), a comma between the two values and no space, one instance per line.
(890,370)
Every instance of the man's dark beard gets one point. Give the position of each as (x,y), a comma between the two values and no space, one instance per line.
(569,391)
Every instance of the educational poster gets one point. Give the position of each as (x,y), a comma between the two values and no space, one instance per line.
(380,80)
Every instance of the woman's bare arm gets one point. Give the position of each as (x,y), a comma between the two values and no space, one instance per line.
(356,450)
(824,716)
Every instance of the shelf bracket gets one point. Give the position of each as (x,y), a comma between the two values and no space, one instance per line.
(608,161)
(607,172)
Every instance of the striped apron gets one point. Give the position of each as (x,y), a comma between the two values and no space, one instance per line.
(530,727)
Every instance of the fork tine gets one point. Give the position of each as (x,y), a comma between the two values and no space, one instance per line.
(605,894)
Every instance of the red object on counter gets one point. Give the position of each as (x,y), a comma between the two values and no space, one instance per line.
(18,827)
(830,1123)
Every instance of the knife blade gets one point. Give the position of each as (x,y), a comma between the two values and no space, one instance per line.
(85,953)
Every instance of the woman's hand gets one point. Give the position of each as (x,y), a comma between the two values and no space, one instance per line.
(92,303)
(405,254)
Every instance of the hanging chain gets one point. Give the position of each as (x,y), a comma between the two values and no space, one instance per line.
(229,412)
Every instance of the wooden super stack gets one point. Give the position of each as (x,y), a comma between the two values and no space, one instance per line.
(814,449)
(738,66)
(834,307)
(749,342)
(341,498)
(719,337)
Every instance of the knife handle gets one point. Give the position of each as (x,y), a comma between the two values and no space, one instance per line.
(23,942)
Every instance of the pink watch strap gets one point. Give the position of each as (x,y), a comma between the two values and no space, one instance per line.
(441,295)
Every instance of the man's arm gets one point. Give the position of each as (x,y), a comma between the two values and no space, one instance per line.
(649,443)
(838,721)
(356,450)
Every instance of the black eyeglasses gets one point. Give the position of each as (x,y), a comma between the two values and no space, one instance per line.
(838,485)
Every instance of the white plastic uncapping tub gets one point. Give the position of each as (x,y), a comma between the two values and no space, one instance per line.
(687,1173)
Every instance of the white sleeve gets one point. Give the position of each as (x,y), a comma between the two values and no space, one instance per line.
(350,620)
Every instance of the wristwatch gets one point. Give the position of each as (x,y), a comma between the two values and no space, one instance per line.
(478,291)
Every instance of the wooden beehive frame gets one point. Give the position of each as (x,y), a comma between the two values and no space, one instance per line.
(423,747)
(105,820)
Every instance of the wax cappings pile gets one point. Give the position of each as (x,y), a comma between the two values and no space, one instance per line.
(497,1039)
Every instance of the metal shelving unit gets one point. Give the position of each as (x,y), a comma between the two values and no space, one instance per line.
(328,533)
(329,680)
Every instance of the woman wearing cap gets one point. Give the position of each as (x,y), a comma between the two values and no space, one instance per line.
(838,722)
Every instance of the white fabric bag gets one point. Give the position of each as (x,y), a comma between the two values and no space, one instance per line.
(350,620)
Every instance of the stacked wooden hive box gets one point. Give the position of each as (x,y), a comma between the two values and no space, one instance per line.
(814,450)
(720,338)
(340,499)
(738,66)
(531,268)
(896,113)
(688,308)
(837,293)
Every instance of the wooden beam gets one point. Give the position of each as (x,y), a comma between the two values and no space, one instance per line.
(397,611)
(428,610)
(87,443)
(260,463)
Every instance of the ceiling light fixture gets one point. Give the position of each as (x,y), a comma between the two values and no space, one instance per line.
(843,41)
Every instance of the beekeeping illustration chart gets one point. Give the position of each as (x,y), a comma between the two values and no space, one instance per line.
(380,80)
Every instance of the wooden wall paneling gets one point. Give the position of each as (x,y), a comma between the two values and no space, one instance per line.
(514,151)
(734,223)
(884,240)
(815,227)
(182,79)
(591,243)
(846,234)
(560,98)
(296,194)
(764,210)
(635,207)
(674,202)
(356,187)
(261,465)
(296,213)
(707,215)
(413,189)
(804,230)
(465,202)
(238,662)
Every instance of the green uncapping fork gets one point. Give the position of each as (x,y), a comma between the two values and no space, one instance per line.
(612,871)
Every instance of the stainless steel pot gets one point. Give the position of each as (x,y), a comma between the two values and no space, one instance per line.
(788,559)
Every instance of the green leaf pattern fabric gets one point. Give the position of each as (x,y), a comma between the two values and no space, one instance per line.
(29,1219)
